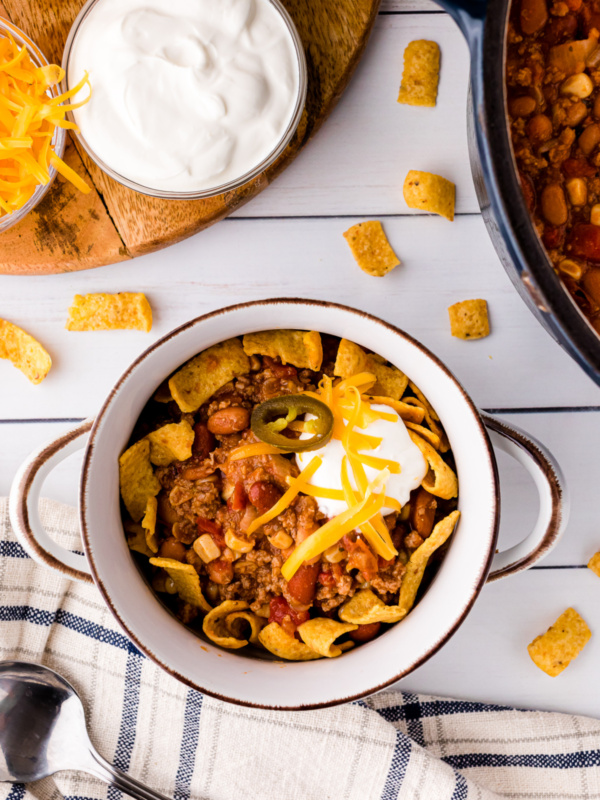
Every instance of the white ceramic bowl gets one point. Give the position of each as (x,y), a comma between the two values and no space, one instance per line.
(234,675)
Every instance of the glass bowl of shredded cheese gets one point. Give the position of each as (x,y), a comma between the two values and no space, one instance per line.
(32,126)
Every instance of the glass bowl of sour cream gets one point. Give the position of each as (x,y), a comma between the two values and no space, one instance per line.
(190,98)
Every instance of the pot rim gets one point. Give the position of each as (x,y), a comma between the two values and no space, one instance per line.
(482,572)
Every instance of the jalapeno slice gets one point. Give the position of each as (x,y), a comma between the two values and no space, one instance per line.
(273,416)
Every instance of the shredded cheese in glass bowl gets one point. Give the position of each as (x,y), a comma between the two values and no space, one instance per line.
(32,125)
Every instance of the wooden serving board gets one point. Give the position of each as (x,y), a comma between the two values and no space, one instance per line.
(71,231)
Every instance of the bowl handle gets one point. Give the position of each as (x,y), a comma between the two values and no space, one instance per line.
(552,489)
(24,500)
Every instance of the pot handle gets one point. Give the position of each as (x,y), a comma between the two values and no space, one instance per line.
(552,490)
(24,500)
(468,15)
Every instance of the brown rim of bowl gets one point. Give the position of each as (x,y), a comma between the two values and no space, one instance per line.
(286,301)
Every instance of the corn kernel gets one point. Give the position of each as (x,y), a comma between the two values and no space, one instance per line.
(595,214)
(281,540)
(577,85)
(170,586)
(571,268)
(237,544)
(577,189)
(206,549)
(335,554)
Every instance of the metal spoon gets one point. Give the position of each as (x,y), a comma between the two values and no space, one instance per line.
(43,731)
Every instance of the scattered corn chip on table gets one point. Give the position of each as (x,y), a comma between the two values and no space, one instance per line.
(289,241)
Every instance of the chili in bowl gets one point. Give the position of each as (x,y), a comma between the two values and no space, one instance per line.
(290,491)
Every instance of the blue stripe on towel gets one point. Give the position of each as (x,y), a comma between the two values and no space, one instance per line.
(586,758)
(12,550)
(397,769)
(461,790)
(410,710)
(129,715)
(17,792)
(189,744)
(37,616)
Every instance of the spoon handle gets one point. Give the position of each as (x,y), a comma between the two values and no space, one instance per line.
(102,769)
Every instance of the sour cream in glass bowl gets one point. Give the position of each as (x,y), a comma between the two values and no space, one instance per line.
(191,98)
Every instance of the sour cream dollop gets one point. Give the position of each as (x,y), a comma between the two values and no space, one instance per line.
(396,445)
(187,94)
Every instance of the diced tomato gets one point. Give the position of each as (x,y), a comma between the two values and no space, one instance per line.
(559,29)
(383,564)
(364,633)
(591,20)
(361,557)
(220,571)
(208,526)
(283,614)
(325,579)
(238,500)
(204,441)
(578,168)
(302,585)
(584,242)
(553,236)
(263,495)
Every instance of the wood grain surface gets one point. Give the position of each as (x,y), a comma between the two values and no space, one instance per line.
(69,231)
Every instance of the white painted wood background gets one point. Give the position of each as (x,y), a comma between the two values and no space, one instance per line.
(289,242)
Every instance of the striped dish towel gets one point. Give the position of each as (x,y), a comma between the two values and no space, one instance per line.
(392,745)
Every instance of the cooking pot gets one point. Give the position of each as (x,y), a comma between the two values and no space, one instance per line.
(484,25)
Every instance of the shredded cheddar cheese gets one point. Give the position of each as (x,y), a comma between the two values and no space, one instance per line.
(351,410)
(257,449)
(29,116)
(334,529)
(287,497)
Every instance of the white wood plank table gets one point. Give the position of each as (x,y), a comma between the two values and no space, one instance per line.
(288,242)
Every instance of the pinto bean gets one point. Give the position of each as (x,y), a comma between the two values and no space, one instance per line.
(302,585)
(263,495)
(534,15)
(364,633)
(422,512)
(539,129)
(171,548)
(522,106)
(554,205)
(166,512)
(590,138)
(229,420)
(204,441)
